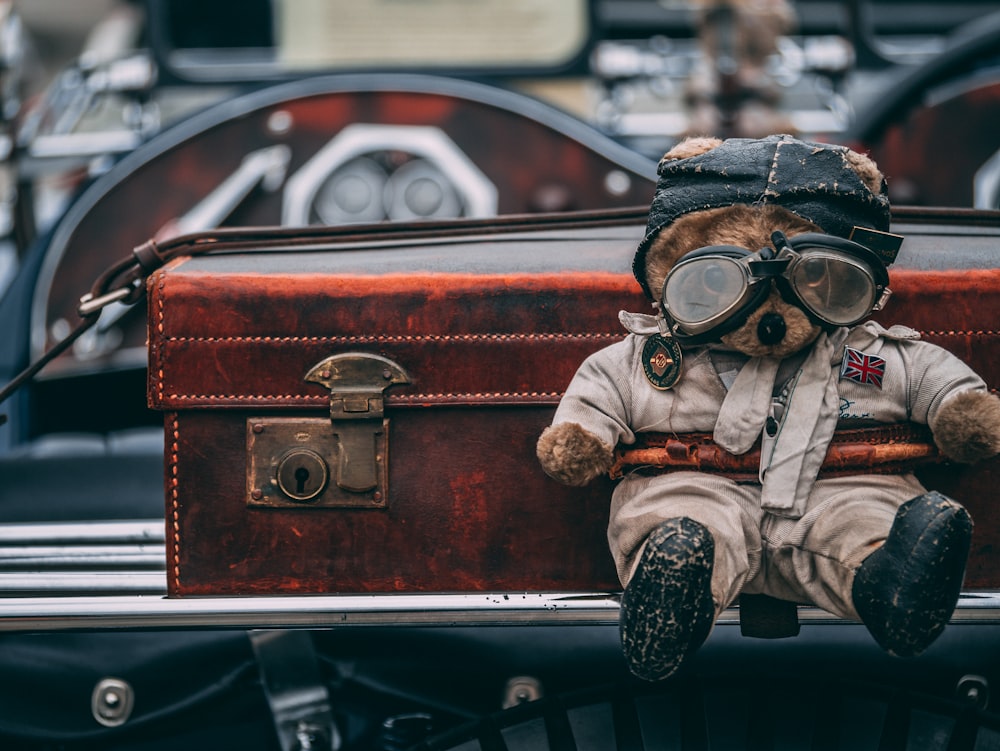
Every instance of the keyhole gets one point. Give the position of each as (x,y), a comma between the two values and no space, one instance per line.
(301,478)
(302,475)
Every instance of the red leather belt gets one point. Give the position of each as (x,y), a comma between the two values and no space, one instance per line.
(883,449)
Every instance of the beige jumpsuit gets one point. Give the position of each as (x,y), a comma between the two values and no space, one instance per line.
(803,538)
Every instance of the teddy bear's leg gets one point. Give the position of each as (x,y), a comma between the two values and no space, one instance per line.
(906,591)
(667,610)
(684,545)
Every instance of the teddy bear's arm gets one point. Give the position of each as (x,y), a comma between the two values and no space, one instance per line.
(572,455)
(591,419)
(967,426)
(954,402)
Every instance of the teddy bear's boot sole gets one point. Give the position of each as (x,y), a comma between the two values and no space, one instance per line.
(667,610)
(906,591)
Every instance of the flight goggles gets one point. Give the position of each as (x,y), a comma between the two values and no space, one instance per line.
(711,291)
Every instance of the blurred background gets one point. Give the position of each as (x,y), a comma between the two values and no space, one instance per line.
(123,120)
(126,120)
(59,30)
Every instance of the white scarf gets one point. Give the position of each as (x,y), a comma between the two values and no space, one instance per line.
(804,431)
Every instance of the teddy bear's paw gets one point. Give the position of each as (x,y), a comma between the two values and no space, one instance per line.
(573,455)
(967,426)
(667,610)
(906,591)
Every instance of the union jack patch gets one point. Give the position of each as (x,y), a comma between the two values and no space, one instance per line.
(867,369)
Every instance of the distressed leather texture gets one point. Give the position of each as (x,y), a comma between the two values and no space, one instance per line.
(469,507)
(489,350)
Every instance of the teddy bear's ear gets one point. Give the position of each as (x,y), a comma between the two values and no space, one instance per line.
(867,170)
(692,147)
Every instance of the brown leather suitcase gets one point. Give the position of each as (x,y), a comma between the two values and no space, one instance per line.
(357,412)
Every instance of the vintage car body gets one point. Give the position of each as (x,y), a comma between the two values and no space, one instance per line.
(441,661)
(96,655)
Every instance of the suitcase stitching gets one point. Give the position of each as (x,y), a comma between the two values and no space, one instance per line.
(157,372)
(175,532)
(394,399)
(389,339)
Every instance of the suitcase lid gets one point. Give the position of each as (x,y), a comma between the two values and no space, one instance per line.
(483,312)
(474,319)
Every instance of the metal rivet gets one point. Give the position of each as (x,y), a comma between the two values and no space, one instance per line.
(257,494)
(258,428)
(617,183)
(520,690)
(111,702)
(280,122)
(974,689)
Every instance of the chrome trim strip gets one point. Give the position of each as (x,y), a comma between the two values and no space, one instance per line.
(111,575)
(333,611)
(986,184)
(94,556)
(88,584)
(83,146)
(83,532)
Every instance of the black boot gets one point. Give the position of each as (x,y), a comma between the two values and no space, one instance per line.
(906,591)
(667,610)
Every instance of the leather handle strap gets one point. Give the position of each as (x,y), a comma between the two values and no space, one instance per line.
(884,448)
(29,372)
(125,281)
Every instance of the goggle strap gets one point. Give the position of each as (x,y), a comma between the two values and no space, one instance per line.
(663,325)
(779,241)
(883,299)
(765,269)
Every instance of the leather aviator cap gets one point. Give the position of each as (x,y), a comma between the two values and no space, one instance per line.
(813,180)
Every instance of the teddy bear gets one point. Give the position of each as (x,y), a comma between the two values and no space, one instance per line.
(732,87)
(763,261)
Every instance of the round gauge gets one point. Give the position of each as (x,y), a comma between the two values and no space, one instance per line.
(352,193)
(420,190)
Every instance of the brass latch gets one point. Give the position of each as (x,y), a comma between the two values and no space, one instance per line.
(356,383)
(340,462)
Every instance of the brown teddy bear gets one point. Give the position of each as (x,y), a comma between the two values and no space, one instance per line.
(760,339)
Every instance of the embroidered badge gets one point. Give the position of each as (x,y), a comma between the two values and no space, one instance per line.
(866,369)
(661,361)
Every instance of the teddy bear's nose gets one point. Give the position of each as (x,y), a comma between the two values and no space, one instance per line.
(771,328)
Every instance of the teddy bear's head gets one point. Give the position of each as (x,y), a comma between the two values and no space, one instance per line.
(737,194)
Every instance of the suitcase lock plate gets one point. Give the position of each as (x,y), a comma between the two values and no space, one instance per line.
(335,463)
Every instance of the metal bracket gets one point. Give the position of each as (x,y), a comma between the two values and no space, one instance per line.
(111,702)
(341,462)
(357,382)
(295,691)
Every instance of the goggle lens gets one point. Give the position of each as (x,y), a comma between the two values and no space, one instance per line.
(834,287)
(712,289)
(701,290)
